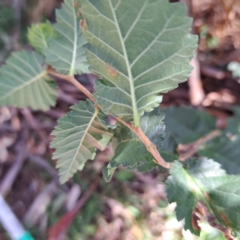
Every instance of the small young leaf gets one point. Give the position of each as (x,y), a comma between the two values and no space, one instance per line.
(108,173)
(7,17)
(77,136)
(187,124)
(24,82)
(204,181)
(141,47)
(65,52)
(39,35)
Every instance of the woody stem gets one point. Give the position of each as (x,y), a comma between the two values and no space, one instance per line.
(137,130)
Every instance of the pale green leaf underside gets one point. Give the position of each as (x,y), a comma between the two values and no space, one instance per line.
(39,35)
(142,47)
(65,53)
(77,136)
(24,82)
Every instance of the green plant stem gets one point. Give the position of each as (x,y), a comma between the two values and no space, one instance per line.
(137,130)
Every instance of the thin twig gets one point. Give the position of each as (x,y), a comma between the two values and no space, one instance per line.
(72,80)
(149,145)
(137,130)
(196,91)
(188,150)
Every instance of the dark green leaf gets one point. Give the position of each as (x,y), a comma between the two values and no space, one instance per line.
(181,189)
(204,181)
(187,124)
(233,123)
(224,151)
(131,152)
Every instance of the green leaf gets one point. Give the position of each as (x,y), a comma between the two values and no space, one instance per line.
(225,202)
(167,151)
(204,181)
(77,136)
(224,151)
(39,35)
(65,52)
(24,82)
(187,124)
(169,147)
(131,152)
(183,195)
(108,173)
(233,123)
(7,17)
(141,47)
(124,175)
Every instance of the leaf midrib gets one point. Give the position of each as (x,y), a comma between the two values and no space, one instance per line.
(39,76)
(44,40)
(71,73)
(201,190)
(81,143)
(130,77)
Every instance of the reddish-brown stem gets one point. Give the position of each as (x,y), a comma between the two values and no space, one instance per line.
(63,223)
(149,145)
(72,80)
(137,130)
(188,150)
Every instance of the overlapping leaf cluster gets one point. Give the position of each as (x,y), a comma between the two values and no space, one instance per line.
(138,50)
